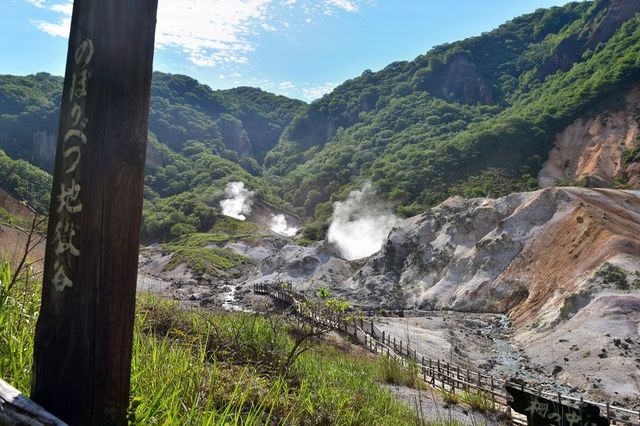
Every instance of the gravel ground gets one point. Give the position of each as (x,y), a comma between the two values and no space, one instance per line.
(431,407)
(475,341)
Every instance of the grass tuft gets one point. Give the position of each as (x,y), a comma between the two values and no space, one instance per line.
(391,372)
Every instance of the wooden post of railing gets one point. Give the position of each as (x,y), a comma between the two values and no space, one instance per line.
(401,347)
(83,340)
(383,336)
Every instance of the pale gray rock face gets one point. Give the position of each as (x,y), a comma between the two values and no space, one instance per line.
(306,268)
(563,264)
(460,255)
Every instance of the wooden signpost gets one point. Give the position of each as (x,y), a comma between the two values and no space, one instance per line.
(83,342)
(546,412)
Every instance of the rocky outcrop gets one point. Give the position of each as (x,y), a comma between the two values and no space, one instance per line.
(571,49)
(619,11)
(461,82)
(234,136)
(154,157)
(562,263)
(44,147)
(306,268)
(592,148)
(525,254)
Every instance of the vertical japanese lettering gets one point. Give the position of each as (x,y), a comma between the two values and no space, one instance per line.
(68,196)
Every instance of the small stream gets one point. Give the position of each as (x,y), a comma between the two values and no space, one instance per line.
(508,366)
(229,300)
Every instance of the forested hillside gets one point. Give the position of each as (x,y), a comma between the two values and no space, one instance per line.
(476,117)
(199,140)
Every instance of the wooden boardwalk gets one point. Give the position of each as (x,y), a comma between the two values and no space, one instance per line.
(437,373)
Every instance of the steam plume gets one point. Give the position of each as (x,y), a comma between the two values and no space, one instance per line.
(279,226)
(238,202)
(359,226)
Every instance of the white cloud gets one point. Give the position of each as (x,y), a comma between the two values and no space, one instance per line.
(209,32)
(36,3)
(61,27)
(212,32)
(57,29)
(302,90)
(310,93)
(65,8)
(347,5)
(287,85)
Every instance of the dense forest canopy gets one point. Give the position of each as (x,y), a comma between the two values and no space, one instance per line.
(475,117)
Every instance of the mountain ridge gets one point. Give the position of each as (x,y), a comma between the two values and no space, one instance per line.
(475,117)
(415,145)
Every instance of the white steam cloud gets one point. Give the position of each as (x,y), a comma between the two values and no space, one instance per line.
(359,226)
(238,202)
(279,226)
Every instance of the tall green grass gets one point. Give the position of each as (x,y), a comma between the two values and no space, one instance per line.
(18,314)
(392,372)
(199,368)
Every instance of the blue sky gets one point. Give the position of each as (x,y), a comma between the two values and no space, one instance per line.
(298,48)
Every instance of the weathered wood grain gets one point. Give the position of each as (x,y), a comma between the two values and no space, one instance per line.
(83,343)
(16,408)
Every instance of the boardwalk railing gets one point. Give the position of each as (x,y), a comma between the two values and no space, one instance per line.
(438,373)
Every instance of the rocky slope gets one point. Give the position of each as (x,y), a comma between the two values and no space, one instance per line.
(13,233)
(592,148)
(562,263)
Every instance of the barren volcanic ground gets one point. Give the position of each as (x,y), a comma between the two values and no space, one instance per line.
(543,286)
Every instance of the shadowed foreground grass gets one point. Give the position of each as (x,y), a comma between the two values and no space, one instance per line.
(199,368)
